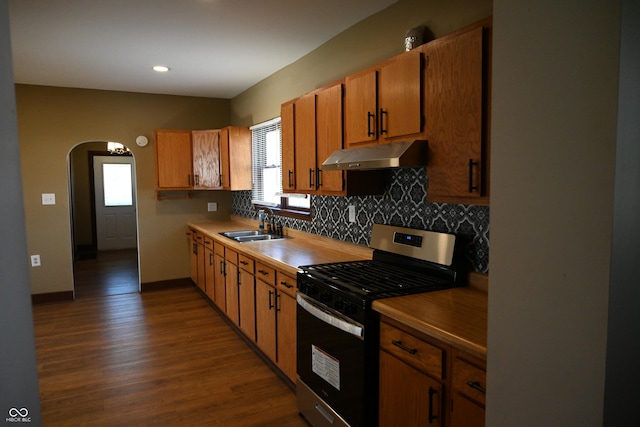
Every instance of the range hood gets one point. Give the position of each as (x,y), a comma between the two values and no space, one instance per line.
(395,155)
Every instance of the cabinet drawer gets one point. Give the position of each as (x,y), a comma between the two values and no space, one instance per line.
(246,263)
(286,284)
(417,353)
(469,380)
(208,242)
(266,274)
(231,256)
(218,249)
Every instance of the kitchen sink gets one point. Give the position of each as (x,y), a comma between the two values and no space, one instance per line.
(251,236)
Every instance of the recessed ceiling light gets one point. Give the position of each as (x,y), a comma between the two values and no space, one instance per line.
(161,68)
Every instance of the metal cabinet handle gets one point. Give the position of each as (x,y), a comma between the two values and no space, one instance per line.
(471,186)
(310,177)
(371,131)
(290,178)
(382,114)
(195,249)
(210,260)
(278,308)
(286,285)
(476,385)
(319,177)
(432,392)
(244,263)
(197,179)
(263,272)
(404,347)
(270,300)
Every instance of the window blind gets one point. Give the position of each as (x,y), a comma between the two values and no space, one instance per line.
(266,174)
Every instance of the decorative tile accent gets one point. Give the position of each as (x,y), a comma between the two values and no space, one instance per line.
(403,204)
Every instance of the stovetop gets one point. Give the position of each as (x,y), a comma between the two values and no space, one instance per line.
(373,279)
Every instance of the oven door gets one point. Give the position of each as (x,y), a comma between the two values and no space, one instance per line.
(331,365)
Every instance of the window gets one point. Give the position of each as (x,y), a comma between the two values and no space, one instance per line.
(267,172)
(118,190)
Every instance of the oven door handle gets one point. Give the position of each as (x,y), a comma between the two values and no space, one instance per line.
(326,316)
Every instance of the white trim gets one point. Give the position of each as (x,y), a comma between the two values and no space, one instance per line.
(267,123)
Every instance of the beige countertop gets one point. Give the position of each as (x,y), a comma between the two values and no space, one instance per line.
(298,249)
(456,316)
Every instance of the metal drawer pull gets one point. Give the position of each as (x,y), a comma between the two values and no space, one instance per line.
(266,273)
(476,385)
(286,284)
(471,165)
(404,347)
(432,417)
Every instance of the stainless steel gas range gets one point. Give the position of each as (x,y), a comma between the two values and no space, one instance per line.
(338,331)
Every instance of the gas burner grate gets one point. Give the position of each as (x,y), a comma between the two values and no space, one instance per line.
(371,278)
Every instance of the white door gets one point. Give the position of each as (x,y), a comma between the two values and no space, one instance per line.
(115,202)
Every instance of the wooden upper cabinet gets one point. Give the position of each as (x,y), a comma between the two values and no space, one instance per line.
(360,117)
(235,153)
(174,163)
(305,143)
(399,100)
(454,112)
(287,125)
(384,103)
(206,160)
(328,136)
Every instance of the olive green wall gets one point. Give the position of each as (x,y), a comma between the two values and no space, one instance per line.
(373,40)
(52,121)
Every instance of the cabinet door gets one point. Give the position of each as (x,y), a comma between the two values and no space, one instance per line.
(328,136)
(206,159)
(286,337)
(209,272)
(201,282)
(465,413)
(233,297)
(240,158)
(224,159)
(361,109)
(287,125)
(407,396)
(266,319)
(220,289)
(305,141)
(174,164)
(193,257)
(399,97)
(247,306)
(454,116)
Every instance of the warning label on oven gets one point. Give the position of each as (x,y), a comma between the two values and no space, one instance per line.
(325,366)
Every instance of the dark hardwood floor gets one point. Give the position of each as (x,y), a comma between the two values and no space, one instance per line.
(108,273)
(163,358)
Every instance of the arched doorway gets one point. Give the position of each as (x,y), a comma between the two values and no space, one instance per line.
(102,188)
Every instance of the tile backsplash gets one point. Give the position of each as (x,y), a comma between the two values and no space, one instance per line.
(403,204)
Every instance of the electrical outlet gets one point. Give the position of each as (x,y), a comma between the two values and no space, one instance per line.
(35,260)
(48,198)
(352,213)
(212,206)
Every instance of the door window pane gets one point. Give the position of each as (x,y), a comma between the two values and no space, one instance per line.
(117,184)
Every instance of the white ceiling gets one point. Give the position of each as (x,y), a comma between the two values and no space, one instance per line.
(215,48)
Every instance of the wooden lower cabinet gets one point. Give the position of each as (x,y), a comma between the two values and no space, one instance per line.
(247,296)
(424,382)
(257,298)
(408,397)
(468,388)
(220,290)
(209,269)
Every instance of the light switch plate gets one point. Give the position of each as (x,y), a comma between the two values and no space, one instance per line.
(352,213)
(48,198)
(212,206)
